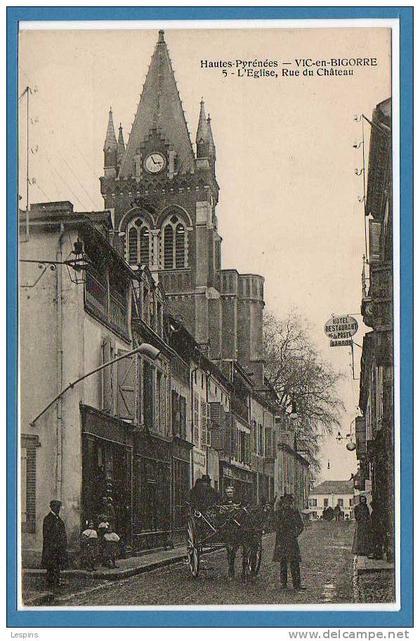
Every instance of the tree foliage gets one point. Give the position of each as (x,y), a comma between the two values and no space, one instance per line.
(302,378)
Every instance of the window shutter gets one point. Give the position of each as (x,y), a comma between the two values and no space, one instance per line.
(161,401)
(247,449)
(216,411)
(126,392)
(203,423)
(234,439)
(148,395)
(183,416)
(196,424)
(107,391)
(175,425)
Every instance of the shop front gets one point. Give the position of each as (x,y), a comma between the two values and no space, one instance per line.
(181,476)
(241,479)
(152,491)
(107,454)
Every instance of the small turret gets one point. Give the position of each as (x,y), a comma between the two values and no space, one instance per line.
(110,148)
(120,146)
(202,139)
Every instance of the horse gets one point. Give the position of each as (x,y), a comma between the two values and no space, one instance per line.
(243,529)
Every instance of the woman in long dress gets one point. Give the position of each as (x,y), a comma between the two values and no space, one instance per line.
(361,535)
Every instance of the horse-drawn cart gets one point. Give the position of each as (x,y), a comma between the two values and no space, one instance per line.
(229,526)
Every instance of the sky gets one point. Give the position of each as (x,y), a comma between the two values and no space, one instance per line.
(288,208)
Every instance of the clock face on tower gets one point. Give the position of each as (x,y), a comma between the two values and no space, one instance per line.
(155,162)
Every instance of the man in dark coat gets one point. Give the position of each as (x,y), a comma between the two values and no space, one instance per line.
(289,526)
(54,549)
(361,543)
(203,495)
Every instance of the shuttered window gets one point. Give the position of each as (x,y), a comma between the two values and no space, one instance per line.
(176,419)
(183,416)
(204,437)
(161,402)
(107,377)
(179,415)
(126,388)
(260,440)
(196,419)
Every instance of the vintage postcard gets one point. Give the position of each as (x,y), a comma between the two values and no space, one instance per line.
(209,327)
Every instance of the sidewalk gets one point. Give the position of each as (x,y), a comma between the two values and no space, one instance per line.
(33,580)
(373,580)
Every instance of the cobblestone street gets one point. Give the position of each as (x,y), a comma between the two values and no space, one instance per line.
(326,573)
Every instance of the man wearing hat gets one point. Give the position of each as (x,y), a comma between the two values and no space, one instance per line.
(289,526)
(54,549)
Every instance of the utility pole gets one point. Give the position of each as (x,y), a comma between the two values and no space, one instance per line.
(26,93)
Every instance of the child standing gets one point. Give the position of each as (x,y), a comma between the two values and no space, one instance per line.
(111,547)
(89,546)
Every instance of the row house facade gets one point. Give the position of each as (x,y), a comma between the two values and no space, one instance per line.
(375,428)
(139,431)
(292,469)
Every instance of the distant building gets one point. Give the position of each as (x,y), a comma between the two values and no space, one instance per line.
(330,494)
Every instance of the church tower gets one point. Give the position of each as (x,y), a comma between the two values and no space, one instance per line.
(163,195)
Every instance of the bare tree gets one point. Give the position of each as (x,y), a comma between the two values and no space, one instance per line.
(303,381)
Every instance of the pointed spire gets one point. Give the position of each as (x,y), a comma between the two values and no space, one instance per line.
(160,109)
(110,139)
(110,148)
(121,145)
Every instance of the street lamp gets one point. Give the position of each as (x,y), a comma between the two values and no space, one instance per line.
(145,349)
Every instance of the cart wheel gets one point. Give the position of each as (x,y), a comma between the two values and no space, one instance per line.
(254,558)
(193,551)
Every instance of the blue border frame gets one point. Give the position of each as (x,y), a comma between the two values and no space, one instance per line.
(402,618)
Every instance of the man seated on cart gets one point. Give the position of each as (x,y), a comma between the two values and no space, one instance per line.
(203,496)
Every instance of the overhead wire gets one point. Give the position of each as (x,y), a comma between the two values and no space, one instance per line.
(68,164)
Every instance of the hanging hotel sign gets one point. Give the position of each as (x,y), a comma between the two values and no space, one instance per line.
(340,330)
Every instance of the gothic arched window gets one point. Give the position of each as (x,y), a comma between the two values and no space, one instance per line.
(174,236)
(138,245)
